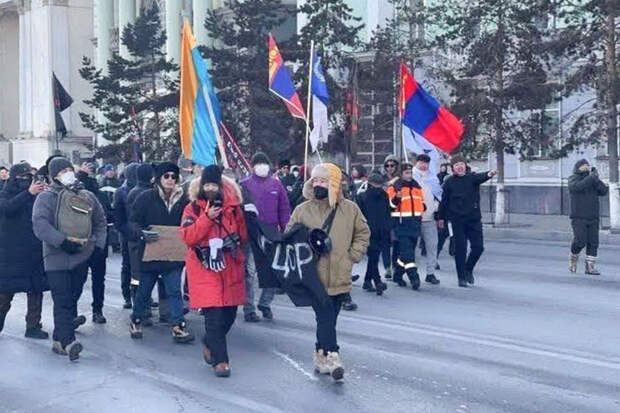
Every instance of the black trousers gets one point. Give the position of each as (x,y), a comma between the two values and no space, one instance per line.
(585,234)
(97,265)
(66,287)
(467,230)
(218,322)
(34,303)
(372,268)
(443,235)
(326,314)
(125,271)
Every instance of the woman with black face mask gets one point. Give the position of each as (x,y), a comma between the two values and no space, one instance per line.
(21,257)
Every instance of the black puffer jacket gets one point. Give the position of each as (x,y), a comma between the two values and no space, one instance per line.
(21,254)
(375,206)
(461,196)
(585,189)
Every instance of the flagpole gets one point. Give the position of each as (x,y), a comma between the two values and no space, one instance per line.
(308,106)
(401,108)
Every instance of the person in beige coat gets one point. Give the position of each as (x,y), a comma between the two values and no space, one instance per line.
(350,237)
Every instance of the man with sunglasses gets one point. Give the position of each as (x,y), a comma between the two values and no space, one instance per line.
(162,205)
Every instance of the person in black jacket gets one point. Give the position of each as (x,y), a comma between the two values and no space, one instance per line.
(21,255)
(460,205)
(375,206)
(162,205)
(121,223)
(585,188)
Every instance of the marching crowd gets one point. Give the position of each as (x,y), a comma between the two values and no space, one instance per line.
(58,222)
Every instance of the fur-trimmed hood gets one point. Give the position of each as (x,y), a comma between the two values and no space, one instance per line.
(228,186)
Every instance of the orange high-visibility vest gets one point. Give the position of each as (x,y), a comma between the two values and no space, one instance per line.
(411,202)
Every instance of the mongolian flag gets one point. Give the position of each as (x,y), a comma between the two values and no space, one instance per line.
(199,109)
(422,113)
(281,83)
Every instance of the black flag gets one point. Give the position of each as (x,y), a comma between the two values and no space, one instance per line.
(62,100)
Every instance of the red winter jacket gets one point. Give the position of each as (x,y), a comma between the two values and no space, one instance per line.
(208,288)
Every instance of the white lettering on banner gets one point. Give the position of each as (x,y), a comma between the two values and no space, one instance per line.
(295,255)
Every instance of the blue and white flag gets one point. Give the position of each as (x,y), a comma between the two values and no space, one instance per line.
(320,100)
(418,144)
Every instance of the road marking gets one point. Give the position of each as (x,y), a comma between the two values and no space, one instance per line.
(295,365)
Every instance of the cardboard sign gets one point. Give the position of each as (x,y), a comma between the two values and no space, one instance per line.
(169,247)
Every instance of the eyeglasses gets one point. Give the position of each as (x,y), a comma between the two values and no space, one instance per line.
(170,176)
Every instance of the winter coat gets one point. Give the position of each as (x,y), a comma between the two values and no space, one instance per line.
(288,181)
(349,234)
(21,253)
(461,197)
(209,288)
(375,206)
(585,188)
(270,199)
(43,223)
(121,214)
(150,209)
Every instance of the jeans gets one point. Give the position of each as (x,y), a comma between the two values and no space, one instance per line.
(35,304)
(97,264)
(172,282)
(585,234)
(463,231)
(125,271)
(66,287)
(430,237)
(218,322)
(326,314)
(267,295)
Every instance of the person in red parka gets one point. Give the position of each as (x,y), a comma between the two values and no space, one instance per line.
(213,227)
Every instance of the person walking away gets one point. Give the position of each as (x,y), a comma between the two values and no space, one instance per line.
(460,205)
(585,188)
(21,255)
(162,205)
(375,206)
(213,228)
(406,202)
(350,237)
(71,223)
(431,190)
(272,204)
(121,223)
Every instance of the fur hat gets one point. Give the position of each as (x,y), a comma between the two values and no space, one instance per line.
(260,157)
(19,169)
(457,159)
(211,174)
(332,173)
(163,167)
(58,164)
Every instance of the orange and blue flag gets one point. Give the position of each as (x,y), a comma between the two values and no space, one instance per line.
(281,83)
(199,109)
(424,115)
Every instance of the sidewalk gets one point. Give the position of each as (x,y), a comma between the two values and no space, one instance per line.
(539,227)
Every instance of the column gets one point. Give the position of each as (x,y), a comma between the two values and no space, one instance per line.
(25,71)
(173,29)
(200,8)
(104,18)
(126,14)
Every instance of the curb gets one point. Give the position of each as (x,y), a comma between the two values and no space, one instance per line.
(492,233)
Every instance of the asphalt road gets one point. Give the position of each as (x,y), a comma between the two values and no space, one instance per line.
(529,337)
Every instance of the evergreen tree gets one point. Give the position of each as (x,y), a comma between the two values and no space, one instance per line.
(239,68)
(500,78)
(137,97)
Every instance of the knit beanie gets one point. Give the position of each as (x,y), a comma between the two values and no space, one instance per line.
(332,173)
(457,159)
(260,157)
(212,174)
(58,164)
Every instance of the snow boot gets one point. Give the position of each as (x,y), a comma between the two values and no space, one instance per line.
(320,361)
(266,311)
(367,286)
(334,365)
(251,317)
(398,277)
(414,278)
(349,305)
(469,277)
(590,265)
(37,333)
(98,318)
(430,278)
(380,287)
(57,348)
(78,321)
(74,349)
(573,260)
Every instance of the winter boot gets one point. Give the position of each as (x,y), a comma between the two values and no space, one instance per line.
(463,283)
(380,287)
(349,305)
(74,349)
(78,321)
(57,348)
(36,332)
(98,318)
(267,314)
(590,265)
(127,305)
(251,317)
(430,278)
(414,278)
(181,334)
(222,370)
(333,364)
(573,260)
(469,277)
(320,362)
(367,286)
(135,329)
(398,277)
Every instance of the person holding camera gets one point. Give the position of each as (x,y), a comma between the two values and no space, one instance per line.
(349,238)
(163,205)
(213,228)
(585,188)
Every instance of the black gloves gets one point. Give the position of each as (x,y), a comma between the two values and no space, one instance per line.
(71,247)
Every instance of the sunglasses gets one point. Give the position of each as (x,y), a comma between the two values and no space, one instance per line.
(170,176)
(390,165)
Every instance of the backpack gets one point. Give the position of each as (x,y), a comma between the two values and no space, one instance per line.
(74,212)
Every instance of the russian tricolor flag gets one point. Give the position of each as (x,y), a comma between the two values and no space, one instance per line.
(199,109)
(281,83)
(422,113)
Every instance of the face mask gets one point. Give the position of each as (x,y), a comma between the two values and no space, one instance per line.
(320,192)
(24,184)
(262,170)
(295,174)
(68,178)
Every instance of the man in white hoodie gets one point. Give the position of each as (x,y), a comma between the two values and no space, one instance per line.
(432,196)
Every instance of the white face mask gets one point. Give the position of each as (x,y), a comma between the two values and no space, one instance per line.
(295,174)
(68,178)
(262,170)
